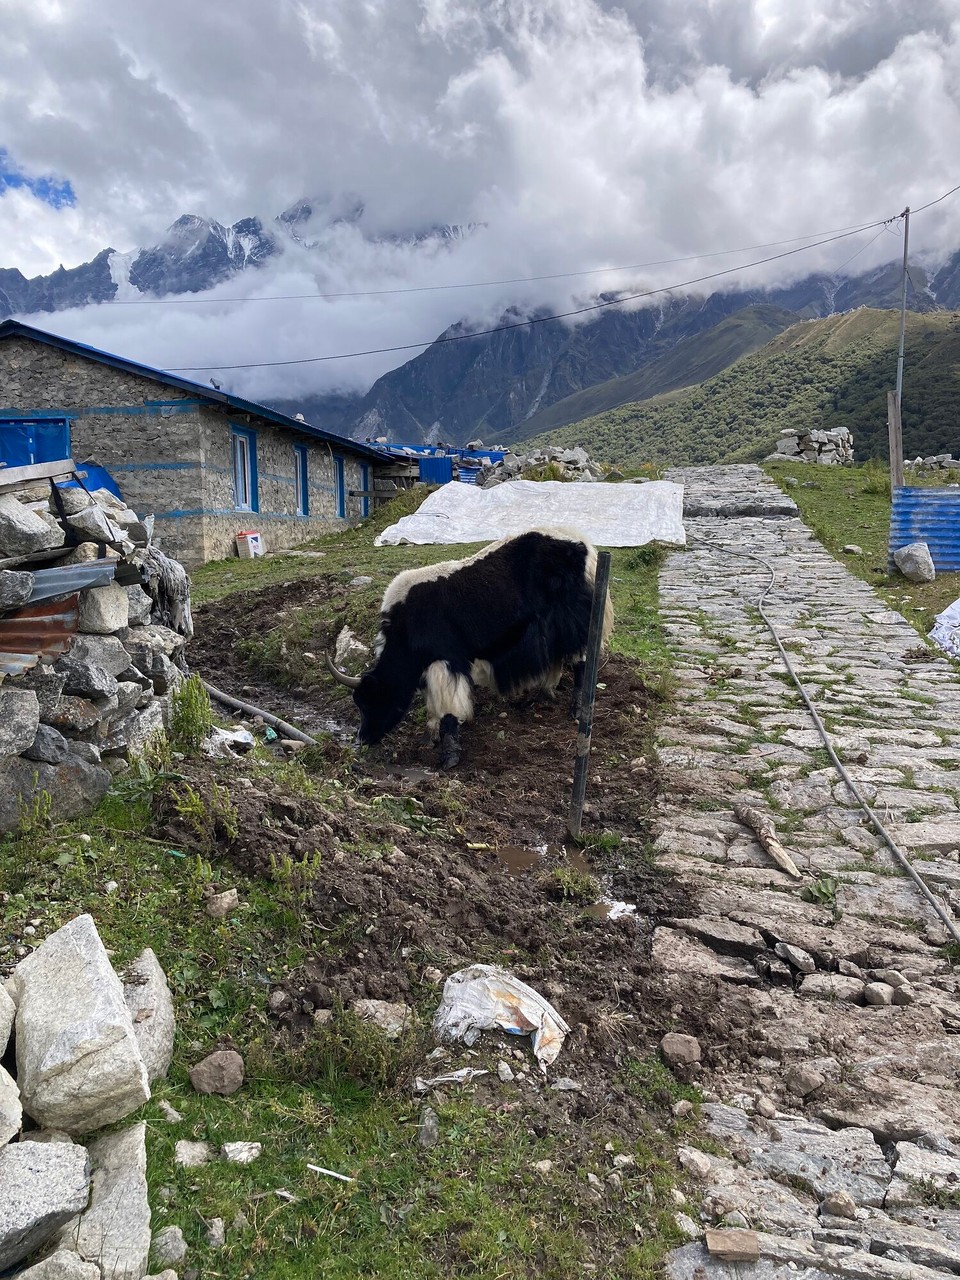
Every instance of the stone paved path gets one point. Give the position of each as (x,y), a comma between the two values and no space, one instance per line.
(831,1020)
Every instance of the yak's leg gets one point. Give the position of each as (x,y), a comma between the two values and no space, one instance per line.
(449,742)
(578,671)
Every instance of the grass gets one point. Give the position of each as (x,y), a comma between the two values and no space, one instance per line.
(473,1204)
(851,506)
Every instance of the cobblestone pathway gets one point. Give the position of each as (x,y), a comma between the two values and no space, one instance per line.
(830,1024)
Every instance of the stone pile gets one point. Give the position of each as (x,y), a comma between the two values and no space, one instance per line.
(573,464)
(93,622)
(87,1047)
(937,462)
(830,447)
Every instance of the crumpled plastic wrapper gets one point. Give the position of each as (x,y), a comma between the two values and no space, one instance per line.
(483,997)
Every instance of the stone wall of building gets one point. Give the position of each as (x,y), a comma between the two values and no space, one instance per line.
(171,454)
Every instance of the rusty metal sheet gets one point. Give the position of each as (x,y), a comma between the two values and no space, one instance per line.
(37,633)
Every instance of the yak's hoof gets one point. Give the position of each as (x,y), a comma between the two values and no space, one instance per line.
(450,760)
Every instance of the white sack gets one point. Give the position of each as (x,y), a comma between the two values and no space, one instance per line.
(946,629)
(483,997)
(609,515)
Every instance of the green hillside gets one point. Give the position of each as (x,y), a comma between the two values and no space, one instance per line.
(818,374)
(691,361)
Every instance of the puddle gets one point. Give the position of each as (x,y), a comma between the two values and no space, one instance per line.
(519,860)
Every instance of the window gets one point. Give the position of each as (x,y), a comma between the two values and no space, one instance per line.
(365,486)
(302,478)
(26,441)
(341,482)
(245,489)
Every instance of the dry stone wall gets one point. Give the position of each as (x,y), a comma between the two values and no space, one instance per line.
(831,448)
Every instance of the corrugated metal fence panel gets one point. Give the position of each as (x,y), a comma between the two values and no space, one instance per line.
(468,475)
(436,470)
(931,516)
(37,633)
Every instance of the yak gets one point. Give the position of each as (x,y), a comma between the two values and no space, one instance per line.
(505,619)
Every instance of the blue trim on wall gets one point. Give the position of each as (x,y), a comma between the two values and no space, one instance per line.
(199,512)
(341,486)
(252,478)
(150,409)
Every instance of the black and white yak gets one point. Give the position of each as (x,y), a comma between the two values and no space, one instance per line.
(506,619)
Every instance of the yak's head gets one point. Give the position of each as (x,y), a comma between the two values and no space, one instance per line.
(381,704)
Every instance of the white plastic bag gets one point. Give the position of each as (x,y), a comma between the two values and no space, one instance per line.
(483,997)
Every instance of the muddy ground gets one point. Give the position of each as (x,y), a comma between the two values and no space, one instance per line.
(424,871)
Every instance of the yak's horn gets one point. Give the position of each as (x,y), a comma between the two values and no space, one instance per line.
(350,681)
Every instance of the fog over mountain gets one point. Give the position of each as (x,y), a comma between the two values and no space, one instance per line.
(438,143)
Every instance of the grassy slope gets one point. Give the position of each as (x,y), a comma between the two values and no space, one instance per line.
(823,373)
(472,1205)
(851,506)
(692,361)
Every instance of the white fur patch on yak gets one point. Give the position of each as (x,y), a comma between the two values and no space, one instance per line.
(446,694)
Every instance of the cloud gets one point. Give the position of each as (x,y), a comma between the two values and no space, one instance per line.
(579,133)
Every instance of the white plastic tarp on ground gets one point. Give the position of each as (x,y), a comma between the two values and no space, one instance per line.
(946,630)
(609,515)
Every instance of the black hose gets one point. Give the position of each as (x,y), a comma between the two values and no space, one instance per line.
(282,726)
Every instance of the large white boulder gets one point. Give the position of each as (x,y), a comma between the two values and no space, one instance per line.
(11,1112)
(114,1232)
(104,610)
(8,1011)
(78,1062)
(19,720)
(62,1265)
(22,532)
(42,1186)
(151,1008)
(915,562)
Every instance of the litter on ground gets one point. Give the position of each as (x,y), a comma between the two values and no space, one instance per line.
(485,998)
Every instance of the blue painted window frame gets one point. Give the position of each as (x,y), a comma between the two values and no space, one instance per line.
(245,473)
(301,457)
(26,441)
(340,475)
(365,486)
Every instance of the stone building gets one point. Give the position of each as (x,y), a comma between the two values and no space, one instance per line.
(209,465)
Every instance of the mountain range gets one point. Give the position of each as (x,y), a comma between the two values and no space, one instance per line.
(504,386)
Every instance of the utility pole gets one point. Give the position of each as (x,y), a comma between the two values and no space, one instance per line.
(894,400)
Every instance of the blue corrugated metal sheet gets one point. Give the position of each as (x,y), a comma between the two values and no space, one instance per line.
(931,516)
(436,470)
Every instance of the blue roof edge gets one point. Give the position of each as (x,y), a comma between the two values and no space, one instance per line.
(16,328)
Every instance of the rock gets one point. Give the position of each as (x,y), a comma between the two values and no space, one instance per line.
(167,1274)
(19,719)
(46,1135)
(62,1265)
(133,733)
(805,1152)
(682,1108)
(191,1155)
(916,1171)
(15,589)
(220,1072)
(94,526)
(115,1229)
(904,995)
(362,580)
(22,532)
(543,1167)
(150,1003)
(832,986)
(803,1079)
(144,643)
(350,651)
(139,607)
(694,1161)
(8,1013)
(220,905)
(392,1019)
(85,751)
(734,1245)
(42,1186)
(504,1072)
(11,1112)
(169,1113)
(83,553)
(796,957)
(679,1050)
(851,549)
(216,1233)
(49,746)
(86,679)
(105,652)
(104,610)
(428,1128)
(915,563)
(839,1204)
(687,1227)
(169,1246)
(241,1152)
(47,684)
(78,1064)
(878,993)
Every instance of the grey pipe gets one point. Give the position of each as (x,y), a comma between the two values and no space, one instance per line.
(288,730)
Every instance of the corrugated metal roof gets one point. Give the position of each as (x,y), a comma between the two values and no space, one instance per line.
(15,328)
(931,516)
(64,579)
(37,633)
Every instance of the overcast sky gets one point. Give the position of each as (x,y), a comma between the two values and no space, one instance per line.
(579,133)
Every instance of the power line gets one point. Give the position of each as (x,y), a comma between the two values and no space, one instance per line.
(952,191)
(481,284)
(520,324)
